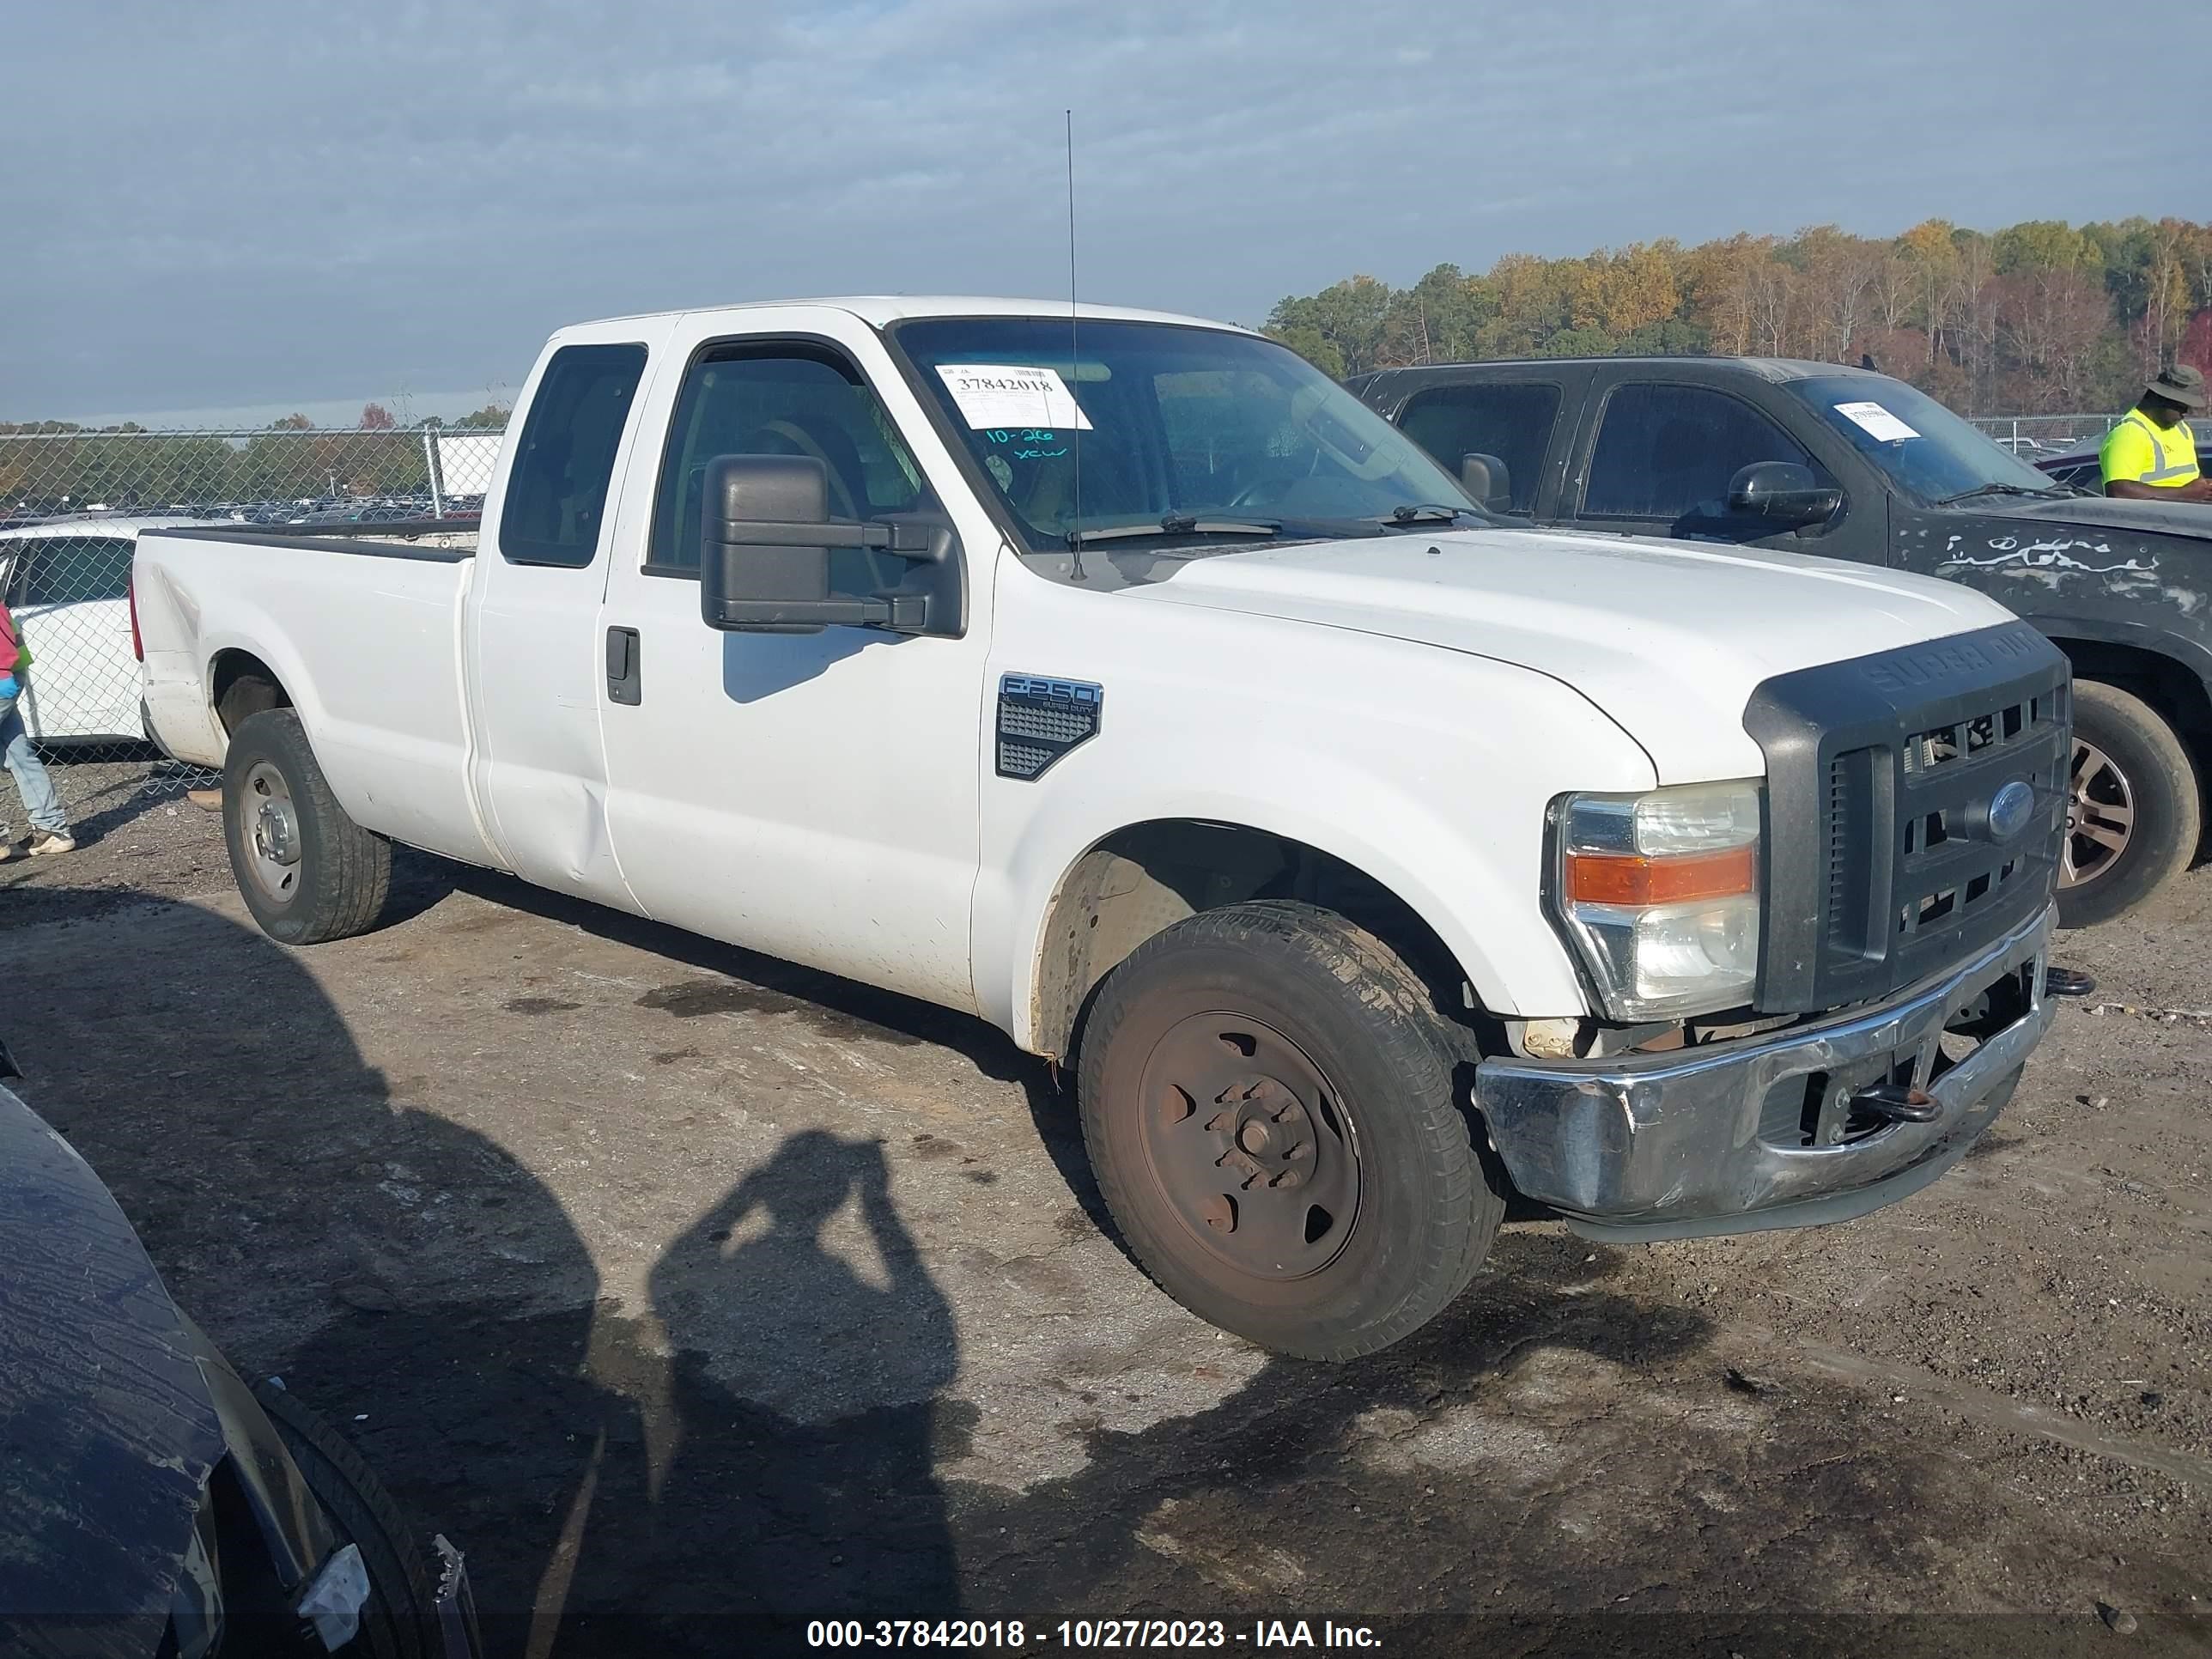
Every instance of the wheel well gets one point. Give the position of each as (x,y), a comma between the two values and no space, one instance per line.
(2168,687)
(1144,879)
(245,685)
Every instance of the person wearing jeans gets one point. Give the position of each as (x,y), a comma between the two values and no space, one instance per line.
(49,830)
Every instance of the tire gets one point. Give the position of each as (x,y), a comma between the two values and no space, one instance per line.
(338,875)
(2125,757)
(400,1618)
(1251,1031)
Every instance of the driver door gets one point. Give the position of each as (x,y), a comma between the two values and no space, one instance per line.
(1661,459)
(813,796)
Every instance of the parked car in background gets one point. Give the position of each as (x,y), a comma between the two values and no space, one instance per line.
(1812,457)
(68,582)
(2075,467)
(151,1503)
(1144,694)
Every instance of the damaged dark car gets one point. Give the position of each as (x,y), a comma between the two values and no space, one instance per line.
(1848,464)
(152,1505)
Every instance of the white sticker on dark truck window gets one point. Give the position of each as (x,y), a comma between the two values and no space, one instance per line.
(1876,422)
(1012,396)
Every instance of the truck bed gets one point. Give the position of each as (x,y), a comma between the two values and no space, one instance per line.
(361,627)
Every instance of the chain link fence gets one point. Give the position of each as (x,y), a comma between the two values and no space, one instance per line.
(2038,437)
(72,505)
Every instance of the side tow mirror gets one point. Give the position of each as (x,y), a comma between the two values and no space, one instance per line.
(1784,492)
(1485,480)
(764,563)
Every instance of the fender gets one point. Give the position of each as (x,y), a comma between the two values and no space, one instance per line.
(1427,769)
(2189,654)
(1516,964)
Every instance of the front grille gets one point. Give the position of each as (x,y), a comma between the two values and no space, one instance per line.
(1880,776)
(1944,871)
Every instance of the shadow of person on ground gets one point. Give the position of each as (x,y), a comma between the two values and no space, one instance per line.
(810,1349)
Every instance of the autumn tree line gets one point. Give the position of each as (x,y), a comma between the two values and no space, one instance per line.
(49,467)
(2043,317)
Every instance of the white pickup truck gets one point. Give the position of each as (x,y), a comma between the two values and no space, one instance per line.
(1119,679)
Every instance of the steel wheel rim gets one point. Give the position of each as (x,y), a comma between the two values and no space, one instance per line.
(2100,817)
(271,824)
(1250,1145)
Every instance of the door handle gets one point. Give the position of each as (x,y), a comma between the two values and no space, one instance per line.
(622,682)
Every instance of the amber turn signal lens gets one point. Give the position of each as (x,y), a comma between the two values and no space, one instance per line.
(1627,878)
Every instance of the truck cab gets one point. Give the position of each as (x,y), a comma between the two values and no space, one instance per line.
(1848,464)
(1119,679)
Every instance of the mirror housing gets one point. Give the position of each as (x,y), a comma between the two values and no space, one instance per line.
(766,538)
(1486,481)
(1782,492)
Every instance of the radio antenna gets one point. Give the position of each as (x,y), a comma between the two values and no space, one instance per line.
(1074,368)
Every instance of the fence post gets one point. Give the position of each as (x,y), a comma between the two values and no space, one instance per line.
(430,468)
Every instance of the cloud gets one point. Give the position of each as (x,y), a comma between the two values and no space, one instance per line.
(237,204)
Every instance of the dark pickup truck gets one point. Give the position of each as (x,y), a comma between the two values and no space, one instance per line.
(1847,463)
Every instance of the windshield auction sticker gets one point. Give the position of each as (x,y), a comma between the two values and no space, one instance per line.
(1877,422)
(1008,395)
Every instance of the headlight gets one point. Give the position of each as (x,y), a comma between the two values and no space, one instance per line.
(1659,893)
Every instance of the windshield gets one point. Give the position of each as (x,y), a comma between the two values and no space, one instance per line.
(1926,451)
(1173,431)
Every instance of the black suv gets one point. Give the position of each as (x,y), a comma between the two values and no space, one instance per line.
(1844,462)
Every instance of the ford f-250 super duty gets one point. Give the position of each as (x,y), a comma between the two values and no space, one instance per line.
(1119,679)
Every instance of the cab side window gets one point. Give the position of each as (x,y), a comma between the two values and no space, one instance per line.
(557,495)
(1667,452)
(783,399)
(73,569)
(1512,421)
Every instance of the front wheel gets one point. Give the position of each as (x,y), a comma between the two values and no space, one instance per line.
(2132,815)
(1268,1104)
(307,871)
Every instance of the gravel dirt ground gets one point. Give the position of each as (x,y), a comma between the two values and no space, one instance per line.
(696,1295)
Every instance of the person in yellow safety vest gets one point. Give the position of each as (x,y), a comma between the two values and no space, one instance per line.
(2151,455)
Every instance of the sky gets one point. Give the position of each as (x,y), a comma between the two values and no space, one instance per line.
(237,208)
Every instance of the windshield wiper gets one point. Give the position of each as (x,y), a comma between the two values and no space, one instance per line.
(1999,489)
(1176,523)
(1430,513)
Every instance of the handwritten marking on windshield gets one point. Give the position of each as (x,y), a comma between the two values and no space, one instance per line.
(1033,440)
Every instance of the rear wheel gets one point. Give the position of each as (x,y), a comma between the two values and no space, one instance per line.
(307,871)
(2133,816)
(1269,1102)
(400,1618)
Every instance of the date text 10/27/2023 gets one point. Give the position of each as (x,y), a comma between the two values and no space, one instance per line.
(1155,1634)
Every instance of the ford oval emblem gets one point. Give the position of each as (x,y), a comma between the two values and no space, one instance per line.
(2010,808)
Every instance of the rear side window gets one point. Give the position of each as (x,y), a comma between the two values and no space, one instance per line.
(1668,452)
(1511,421)
(73,569)
(557,495)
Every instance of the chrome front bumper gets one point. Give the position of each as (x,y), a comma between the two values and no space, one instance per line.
(1677,1145)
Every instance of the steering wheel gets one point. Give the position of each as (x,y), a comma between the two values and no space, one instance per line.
(1273,484)
(792,433)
